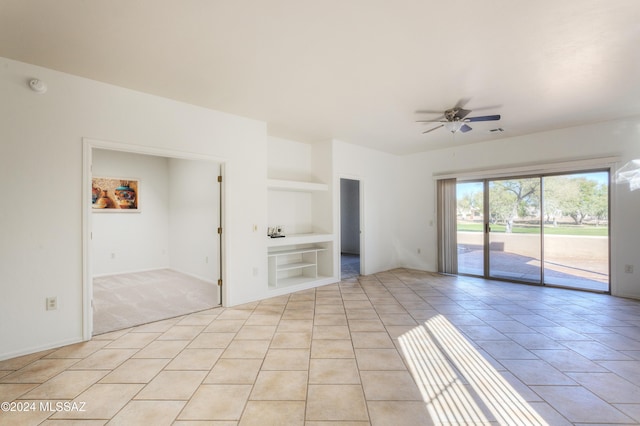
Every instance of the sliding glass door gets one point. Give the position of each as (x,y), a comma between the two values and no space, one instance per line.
(547,230)
(514,229)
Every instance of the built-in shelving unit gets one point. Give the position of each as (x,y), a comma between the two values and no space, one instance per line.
(303,258)
(291,266)
(300,203)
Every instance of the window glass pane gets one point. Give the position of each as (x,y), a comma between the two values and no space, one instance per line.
(514,237)
(576,230)
(470,206)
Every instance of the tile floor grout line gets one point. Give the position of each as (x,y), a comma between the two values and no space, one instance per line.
(397,286)
(355,357)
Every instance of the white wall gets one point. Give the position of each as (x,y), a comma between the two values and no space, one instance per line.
(289,160)
(322,170)
(378,173)
(616,138)
(291,211)
(194,218)
(41,220)
(130,242)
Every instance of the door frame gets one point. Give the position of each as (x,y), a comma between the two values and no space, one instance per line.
(88,145)
(361,224)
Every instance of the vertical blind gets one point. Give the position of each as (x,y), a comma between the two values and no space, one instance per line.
(447,226)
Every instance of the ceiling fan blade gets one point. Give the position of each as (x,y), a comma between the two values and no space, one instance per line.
(487,107)
(431,130)
(428,111)
(462,113)
(462,102)
(439,117)
(483,118)
(430,121)
(465,128)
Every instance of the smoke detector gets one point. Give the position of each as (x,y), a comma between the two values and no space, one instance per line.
(37,86)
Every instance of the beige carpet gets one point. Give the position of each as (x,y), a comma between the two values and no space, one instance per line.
(123,301)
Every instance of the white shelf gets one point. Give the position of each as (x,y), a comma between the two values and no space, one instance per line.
(297,265)
(295,239)
(285,252)
(293,185)
(299,280)
(293,266)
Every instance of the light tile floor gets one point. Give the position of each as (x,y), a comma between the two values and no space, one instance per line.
(396,348)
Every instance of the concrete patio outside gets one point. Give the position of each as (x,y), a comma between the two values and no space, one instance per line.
(570,261)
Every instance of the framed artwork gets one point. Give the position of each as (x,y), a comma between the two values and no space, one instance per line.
(115,194)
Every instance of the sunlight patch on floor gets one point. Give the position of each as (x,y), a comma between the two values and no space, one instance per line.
(455,380)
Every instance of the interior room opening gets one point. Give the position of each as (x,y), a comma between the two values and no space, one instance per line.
(349,228)
(155,248)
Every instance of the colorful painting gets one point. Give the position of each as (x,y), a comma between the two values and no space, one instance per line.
(115,194)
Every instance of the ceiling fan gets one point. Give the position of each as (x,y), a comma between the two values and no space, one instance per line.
(455,119)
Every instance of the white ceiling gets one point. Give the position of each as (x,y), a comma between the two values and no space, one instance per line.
(355,70)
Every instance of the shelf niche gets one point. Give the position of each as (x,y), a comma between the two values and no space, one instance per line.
(300,201)
(290,266)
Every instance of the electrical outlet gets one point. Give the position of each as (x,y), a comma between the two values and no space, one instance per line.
(113,255)
(206,259)
(419,251)
(52,303)
(628,269)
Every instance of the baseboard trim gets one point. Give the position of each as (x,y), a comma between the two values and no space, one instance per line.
(130,272)
(626,296)
(35,349)
(206,280)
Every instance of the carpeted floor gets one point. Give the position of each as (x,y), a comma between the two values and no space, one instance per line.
(123,301)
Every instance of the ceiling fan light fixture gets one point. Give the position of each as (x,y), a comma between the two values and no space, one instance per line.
(453,126)
(456,119)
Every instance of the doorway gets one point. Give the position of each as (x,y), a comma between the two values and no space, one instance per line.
(350,250)
(544,229)
(161,259)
